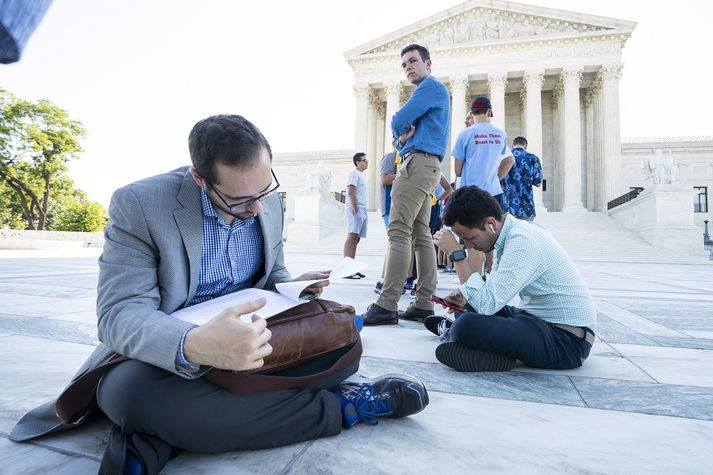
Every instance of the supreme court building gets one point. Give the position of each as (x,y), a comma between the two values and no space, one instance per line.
(551,75)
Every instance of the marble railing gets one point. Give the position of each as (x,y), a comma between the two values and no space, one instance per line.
(27,239)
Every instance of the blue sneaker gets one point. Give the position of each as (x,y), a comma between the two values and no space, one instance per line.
(358,323)
(132,465)
(392,395)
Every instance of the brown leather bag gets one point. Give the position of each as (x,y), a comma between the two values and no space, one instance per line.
(299,335)
(307,332)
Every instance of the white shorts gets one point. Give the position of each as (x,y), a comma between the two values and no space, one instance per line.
(356,224)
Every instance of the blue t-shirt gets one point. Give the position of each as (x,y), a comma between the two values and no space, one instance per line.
(517,185)
(480,148)
(429,109)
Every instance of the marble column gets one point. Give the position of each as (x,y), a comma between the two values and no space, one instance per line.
(532,84)
(598,169)
(361,93)
(610,75)
(380,129)
(496,85)
(589,134)
(555,181)
(572,150)
(372,175)
(458,87)
(393,96)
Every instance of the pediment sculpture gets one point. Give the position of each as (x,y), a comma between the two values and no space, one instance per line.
(485,25)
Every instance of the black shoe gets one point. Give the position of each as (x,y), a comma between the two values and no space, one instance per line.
(437,324)
(354,276)
(361,276)
(391,395)
(464,358)
(376,315)
(415,314)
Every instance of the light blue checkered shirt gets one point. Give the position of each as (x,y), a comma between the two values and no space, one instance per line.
(528,261)
(232,255)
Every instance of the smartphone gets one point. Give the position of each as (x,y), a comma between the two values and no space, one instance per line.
(446,304)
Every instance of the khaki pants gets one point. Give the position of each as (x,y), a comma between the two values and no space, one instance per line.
(415,182)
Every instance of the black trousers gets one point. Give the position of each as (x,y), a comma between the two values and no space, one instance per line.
(516,333)
(157,413)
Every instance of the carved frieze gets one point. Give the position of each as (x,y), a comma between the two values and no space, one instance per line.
(484,24)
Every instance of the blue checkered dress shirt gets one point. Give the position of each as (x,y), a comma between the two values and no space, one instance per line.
(232,255)
(528,261)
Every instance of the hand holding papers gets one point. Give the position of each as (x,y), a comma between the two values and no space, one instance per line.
(288,296)
(346,267)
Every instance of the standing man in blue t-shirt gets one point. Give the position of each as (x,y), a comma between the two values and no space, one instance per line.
(482,158)
(518,183)
(421,128)
(479,152)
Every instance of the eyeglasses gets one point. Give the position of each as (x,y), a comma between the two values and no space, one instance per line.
(364,160)
(244,204)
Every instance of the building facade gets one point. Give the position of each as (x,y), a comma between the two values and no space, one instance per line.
(552,76)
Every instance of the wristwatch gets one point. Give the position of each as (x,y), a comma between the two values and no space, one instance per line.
(458,255)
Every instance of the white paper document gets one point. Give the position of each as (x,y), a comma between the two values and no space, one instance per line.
(288,296)
(346,267)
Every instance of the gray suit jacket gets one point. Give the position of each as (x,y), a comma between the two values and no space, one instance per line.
(148,269)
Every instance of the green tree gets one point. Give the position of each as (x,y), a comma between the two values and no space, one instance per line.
(10,211)
(37,139)
(76,213)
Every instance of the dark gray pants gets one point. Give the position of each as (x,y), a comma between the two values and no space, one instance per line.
(157,413)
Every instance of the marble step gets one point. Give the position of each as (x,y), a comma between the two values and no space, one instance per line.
(598,237)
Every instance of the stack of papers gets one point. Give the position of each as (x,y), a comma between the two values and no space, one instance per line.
(288,296)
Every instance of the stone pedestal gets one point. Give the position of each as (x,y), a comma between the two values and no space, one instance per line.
(316,216)
(663,216)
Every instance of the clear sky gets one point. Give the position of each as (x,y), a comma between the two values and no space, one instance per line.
(140,73)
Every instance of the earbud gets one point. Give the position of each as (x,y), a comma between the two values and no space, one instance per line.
(492,230)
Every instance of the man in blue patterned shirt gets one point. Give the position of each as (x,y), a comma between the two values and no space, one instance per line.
(553,326)
(525,173)
(185,237)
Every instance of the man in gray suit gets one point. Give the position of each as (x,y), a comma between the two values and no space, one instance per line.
(178,239)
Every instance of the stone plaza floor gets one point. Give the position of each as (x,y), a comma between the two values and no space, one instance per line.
(642,403)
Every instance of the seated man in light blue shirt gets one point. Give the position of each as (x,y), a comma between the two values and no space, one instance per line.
(552,328)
